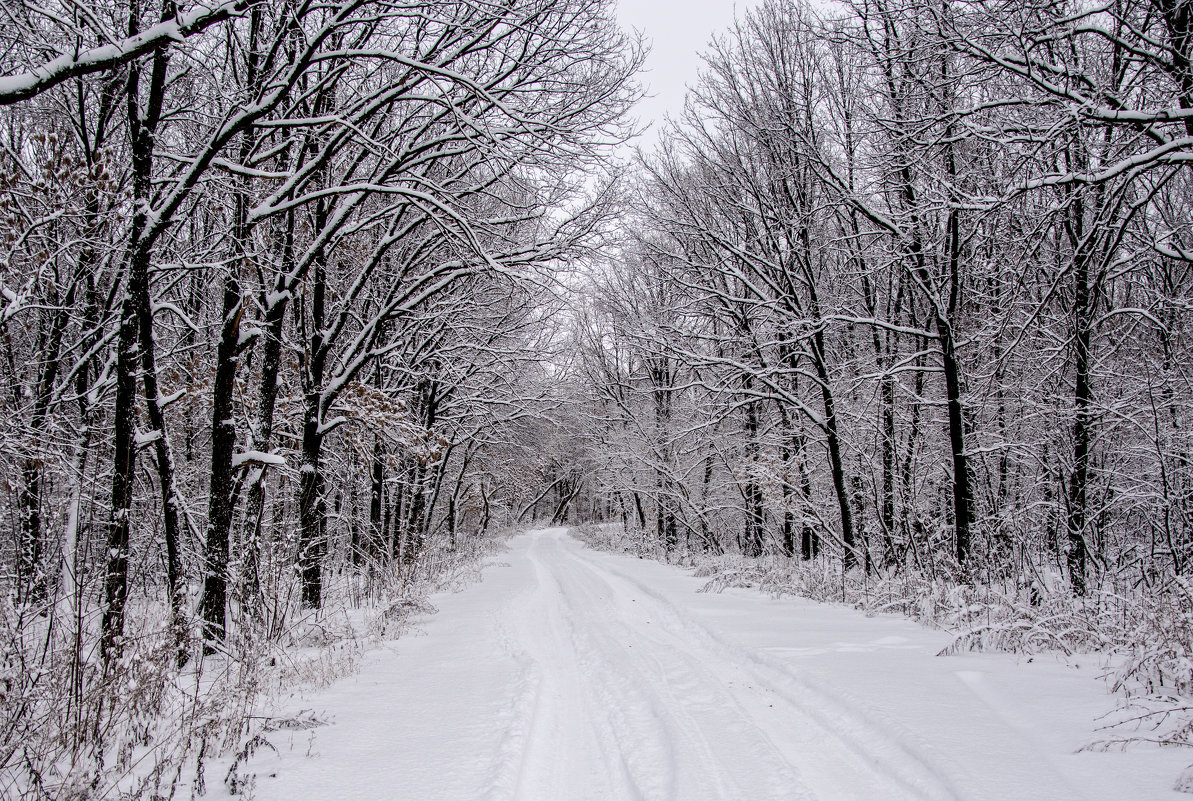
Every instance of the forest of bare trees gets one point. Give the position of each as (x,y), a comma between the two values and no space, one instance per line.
(900,296)
(275,280)
(908,284)
(905,299)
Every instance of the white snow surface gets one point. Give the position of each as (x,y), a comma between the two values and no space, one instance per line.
(568,674)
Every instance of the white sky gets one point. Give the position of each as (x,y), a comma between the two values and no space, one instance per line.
(677,31)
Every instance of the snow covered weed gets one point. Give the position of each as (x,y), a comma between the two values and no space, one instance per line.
(1153,675)
(1158,657)
(131,726)
(613,538)
(1151,636)
(73,726)
(440,569)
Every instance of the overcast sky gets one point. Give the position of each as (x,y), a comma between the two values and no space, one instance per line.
(677,31)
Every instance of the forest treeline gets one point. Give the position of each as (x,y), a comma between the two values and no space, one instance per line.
(902,320)
(277,287)
(909,287)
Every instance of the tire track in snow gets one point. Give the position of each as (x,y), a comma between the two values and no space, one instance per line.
(717,750)
(556,747)
(571,675)
(518,714)
(633,699)
(838,749)
(624,694)
(883,742)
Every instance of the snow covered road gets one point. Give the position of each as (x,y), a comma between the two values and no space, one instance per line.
(569,675)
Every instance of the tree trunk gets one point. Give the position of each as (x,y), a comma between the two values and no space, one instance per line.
(1082,397)
(310,480)
(310,494)
(376,498)
(123,462)
(30,497)
(142,127)
(962,486)
(172,529)
(754,522)
(223,443)
(835,460)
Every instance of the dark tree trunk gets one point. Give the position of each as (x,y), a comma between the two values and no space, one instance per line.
(809,537)
(786,457)
(887,514)
(567,489)
(310,494)
(706,536)
(913,436)
(486,512)
(1083,303)
(835,459)
(885,356)
(223,444)
(164,454)
(453,501)
(395,512)
(143,153)
(310,480)
(415,511)
(29,499)
(142,128)
(641,513)
(752,535)
(262,430)
(275,312)
(223,486)
(376,498)
(267,395)
(963,493)
(962,485)
(788,514)
(123,461)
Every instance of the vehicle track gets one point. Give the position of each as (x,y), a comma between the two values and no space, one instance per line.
(574,675)
(626,697)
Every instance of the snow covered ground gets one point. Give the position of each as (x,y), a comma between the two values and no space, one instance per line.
(569,674)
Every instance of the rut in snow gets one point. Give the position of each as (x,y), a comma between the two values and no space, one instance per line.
(569,675)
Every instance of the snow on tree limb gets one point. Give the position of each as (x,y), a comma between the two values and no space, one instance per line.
(25,85)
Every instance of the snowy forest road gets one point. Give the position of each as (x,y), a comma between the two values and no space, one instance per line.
(569,674)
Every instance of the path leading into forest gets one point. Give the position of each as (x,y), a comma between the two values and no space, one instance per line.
(568,675)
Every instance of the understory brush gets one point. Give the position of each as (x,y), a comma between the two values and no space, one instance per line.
(74,725)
